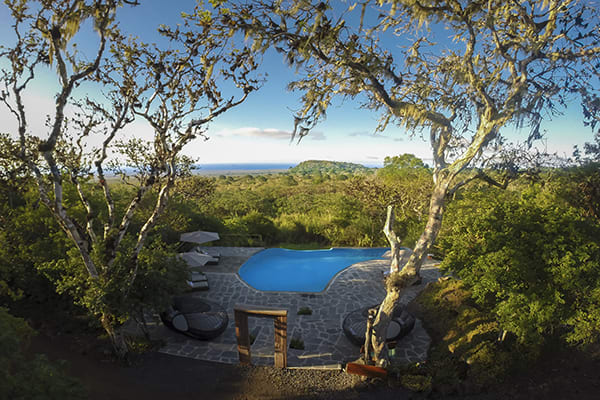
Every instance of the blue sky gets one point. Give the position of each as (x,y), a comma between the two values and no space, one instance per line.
(259,130)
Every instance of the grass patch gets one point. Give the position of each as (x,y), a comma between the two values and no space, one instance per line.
(141,345)
(415,382)
(304,311)
(297,344)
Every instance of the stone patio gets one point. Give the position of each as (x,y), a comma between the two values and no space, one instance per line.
(325,344)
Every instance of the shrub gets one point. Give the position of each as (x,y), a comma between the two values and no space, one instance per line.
(24,377)
(532,261)
(304,311)
(297,344)
(465,350)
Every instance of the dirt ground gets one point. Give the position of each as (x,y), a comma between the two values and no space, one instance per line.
(161,376)
(568,374)
(153,375)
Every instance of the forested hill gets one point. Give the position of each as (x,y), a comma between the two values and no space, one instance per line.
(312,166)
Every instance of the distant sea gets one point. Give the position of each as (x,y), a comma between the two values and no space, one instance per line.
(244,167)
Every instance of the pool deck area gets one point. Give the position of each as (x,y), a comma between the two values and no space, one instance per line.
(325,345)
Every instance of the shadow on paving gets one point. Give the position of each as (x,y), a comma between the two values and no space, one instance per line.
(161,376)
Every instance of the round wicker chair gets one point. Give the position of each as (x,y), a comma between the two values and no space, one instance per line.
(355,325)
(197,318)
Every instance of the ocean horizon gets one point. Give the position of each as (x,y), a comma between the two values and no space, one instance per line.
(238,168)
(243,166)
(255,166)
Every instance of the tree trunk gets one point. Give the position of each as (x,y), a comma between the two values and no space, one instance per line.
(117,338)
(388,230)
(432,229)
(410,274)
(382,321)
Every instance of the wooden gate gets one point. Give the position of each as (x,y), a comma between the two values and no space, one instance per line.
(242,312)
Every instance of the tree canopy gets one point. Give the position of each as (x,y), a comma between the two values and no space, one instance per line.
(175,88)
(459,71)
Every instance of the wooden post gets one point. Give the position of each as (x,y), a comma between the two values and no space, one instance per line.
(242,334)
(281,341)
(368,333)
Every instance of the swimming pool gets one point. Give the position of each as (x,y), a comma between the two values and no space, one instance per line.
(301,270)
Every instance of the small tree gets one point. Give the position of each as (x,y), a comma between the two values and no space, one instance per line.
(510,64)
(176,91)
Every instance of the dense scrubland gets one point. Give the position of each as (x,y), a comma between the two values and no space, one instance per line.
(521,258)
(523,263)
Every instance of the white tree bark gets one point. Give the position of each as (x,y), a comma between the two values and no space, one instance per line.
(388,230)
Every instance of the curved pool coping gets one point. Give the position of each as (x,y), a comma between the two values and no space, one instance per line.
(329,283)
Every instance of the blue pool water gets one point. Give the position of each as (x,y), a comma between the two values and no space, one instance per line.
(301,270)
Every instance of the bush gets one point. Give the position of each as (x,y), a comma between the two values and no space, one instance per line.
(297,344)
(304,311)
(465,351)
(23,377)
(531,260)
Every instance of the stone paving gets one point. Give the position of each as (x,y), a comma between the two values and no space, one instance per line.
(325,344)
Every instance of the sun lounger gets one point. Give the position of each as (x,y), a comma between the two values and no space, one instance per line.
(201,285)
(213,255)
(197,280)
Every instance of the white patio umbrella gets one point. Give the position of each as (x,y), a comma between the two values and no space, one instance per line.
(199,237)
(195,259)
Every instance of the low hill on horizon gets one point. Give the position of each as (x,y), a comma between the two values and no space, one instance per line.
(323,166)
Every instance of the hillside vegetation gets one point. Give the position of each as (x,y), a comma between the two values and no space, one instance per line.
(329,167)
(527,257)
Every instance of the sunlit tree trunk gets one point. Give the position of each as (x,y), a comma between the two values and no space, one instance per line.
(410,274)
(388,229)
(432,229)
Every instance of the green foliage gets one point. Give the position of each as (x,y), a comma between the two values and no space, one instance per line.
(160,275)
(116,293)
(29,236)
(416,382)
(402,165)
(107,230)
(465,351)
(328,167)
(254,226)
(304,311)
(316,209)
(297,344)
(403,182)
(578,187)
(529,258)
(29,377)
(300,246)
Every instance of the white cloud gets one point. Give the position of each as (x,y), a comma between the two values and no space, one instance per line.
(372,135)
(316,136)
(269,133)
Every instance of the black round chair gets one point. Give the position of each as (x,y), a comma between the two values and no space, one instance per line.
(197,318)
(355,325)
